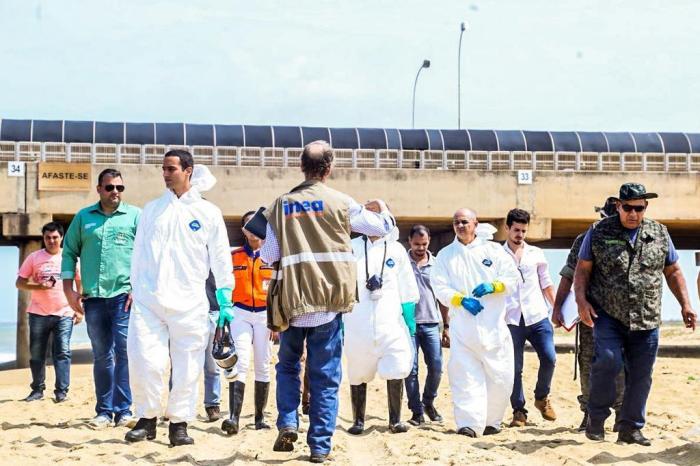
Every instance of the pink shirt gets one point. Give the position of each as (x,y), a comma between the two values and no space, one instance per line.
(41,267)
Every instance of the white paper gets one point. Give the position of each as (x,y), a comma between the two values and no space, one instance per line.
(569,311)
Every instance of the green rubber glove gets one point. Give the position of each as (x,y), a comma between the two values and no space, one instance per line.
(409,316)
(223,299)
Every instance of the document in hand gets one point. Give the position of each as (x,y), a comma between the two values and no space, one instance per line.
(257,224)
(569,312)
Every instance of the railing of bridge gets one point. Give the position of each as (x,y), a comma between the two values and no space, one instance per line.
(152,154)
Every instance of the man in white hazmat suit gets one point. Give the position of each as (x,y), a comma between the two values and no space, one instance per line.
(180,237)
(378,330)
(472,277)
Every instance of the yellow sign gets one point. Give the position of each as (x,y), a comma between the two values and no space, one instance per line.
(58,176)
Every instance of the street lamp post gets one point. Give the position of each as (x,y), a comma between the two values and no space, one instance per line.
(426,64)
(462,28)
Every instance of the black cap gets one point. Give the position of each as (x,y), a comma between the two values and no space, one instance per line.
(609,208)
(634,191)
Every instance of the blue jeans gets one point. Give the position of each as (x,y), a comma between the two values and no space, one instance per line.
(614,345)
(212,377)
(427,338)
(324,348)
(107,325)
(541,337)
(40,327)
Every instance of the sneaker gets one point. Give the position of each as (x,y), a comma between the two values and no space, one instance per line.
(416,420)
(545,407)
(100,422)
(127,420)
(519,419)
(60,397)
(432,413)
(318,458)
(213,413)
(34,396)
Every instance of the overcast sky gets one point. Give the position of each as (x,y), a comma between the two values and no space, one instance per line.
(535,64)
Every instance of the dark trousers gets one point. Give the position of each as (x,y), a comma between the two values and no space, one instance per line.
(324,347)
(615,345)
(40,328)
(427,338)
(107,325)
(541,337)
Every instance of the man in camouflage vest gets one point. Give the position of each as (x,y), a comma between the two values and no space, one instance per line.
(584,333)
(618,285)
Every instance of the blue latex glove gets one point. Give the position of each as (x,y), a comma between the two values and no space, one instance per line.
(472,305)
(488,288)
(409,316)
(223,299)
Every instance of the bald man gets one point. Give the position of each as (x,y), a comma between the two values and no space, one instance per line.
(472,276)
(308,243)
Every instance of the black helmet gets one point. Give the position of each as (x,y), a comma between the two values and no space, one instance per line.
(223,350)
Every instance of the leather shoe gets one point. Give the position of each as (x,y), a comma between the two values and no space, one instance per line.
(34,395)
(633,436)
(285,439)
(416,420)
(432,413)
(491,430)
(398,428)
(318,457)
(177,434)
(595,431)
(467,432)
(145,429)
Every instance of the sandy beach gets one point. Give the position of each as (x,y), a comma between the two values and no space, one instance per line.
(44,432)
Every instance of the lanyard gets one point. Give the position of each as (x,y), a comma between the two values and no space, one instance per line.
(381,273)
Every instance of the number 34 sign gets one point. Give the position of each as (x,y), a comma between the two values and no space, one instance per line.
(15,168)
(524,176)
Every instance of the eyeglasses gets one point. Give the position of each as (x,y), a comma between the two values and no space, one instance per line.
(637,208)
(461,222)
(111,187)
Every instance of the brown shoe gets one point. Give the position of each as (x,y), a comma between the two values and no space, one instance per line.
(213,413)
(519,419)
(545,407)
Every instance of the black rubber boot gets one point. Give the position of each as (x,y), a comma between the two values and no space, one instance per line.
(358,397)
(262,389)
(145,429)
(177,434)
(394,389)
(235,403)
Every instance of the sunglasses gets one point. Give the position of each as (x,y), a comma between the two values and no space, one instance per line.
(637,208)
(111,187)
(461,222)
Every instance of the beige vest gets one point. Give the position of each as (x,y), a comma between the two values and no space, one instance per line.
(316,271)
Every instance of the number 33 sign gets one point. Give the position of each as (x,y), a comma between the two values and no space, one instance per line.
(524,176)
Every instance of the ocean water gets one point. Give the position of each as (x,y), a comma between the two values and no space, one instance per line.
(8,336)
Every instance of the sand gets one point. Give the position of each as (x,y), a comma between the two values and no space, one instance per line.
(44,432)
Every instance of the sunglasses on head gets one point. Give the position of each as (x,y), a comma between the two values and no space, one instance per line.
(637,208)
(461,222)
(111,187)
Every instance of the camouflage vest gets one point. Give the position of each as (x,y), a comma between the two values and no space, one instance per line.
(316,271)
(627,279)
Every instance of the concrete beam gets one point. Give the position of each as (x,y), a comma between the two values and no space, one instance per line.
(24,225)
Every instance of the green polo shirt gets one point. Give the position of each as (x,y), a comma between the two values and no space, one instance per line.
(104,244)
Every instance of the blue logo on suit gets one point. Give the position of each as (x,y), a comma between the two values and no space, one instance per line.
(195,225)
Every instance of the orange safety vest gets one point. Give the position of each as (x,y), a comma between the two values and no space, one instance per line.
(252,277)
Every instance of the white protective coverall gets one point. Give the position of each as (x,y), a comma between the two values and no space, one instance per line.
(178,240)
(481,350)
(377,340)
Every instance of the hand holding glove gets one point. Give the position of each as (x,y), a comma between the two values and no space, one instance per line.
(472,305)
(488,288)
(223,299)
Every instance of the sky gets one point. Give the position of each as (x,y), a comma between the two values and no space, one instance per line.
(543,65)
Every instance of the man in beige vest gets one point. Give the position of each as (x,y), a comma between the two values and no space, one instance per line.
(308,240)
